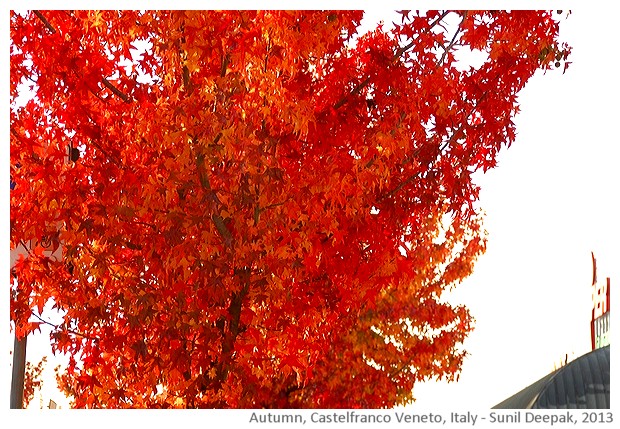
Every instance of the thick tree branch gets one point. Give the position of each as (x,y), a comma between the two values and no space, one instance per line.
(15,134)
(116,91)
(225,61)
(217,219)
(45,21)
(231,331)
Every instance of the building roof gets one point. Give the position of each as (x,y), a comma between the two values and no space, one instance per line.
(583,383)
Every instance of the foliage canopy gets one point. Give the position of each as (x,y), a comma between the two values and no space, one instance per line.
(257,210)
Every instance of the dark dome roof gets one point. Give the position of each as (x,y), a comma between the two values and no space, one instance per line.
(583,383)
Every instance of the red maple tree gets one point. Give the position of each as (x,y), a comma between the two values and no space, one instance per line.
(254,210)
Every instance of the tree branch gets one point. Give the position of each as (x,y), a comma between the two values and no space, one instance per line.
(15,134)
(412,43)
(397,55)
(217,219)
(447,48)
(232,331)
(442,147)
(258,210)
(116,91)
(45,21)
(71,331)
(96,144)
(354,91)
(105,81)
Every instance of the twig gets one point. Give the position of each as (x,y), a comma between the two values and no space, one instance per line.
(71,331)
(410,45)
(447,49)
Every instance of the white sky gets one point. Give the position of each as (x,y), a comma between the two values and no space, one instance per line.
(551,200)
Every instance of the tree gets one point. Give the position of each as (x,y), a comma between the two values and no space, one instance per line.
(257,211)
(33,380)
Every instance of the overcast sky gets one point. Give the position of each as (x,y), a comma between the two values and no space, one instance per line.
(551,200)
